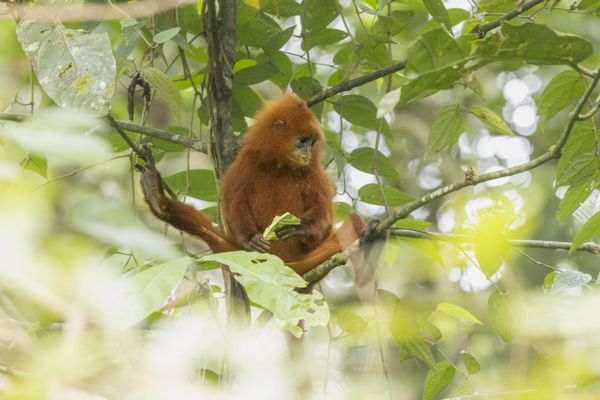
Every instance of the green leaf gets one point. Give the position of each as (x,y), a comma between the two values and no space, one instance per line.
(202,184)
(588,231)
(430,82)
(281,8)
(166,35)
(569,279)
(575,196)
(371,194)
(164,87)
(280,221)
(438,12)
(271,285)
(76,69)
(342,210)
(279,39)
(500,315)
(322,37)
(458,312)
(471,364)
(36,163)
(446,128)
(562,90)
(255,74)
(405,331)
(394,23)
(437,379)
(387,103)
(492,120)
(149,289)
(578,158)
(350,322)
(549,279)
(358,110)
(127,22)
(536,44)
(318,14)
(433,50)
(368,160)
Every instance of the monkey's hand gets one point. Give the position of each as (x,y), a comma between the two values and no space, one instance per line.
(368,233)
(287,231)
(258,243)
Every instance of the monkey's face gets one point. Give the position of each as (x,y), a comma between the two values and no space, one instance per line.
(303,146)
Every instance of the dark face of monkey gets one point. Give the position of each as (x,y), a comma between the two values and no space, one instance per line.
(303,149)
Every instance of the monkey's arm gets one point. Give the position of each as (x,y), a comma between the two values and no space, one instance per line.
(241,226)
(177,213)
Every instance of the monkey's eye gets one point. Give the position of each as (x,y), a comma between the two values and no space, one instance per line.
(306,140)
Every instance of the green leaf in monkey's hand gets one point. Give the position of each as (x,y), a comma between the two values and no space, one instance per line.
(278,222)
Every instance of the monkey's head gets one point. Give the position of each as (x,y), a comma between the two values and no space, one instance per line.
(286,132)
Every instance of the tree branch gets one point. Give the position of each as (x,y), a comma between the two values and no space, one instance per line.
(352,83)
(590,247)
(194,144)
(482,29)
(399,213)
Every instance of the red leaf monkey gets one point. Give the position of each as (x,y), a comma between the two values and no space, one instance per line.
(277,170)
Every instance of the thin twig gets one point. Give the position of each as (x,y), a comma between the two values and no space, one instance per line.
(482,29)
(194,144)
(352,83)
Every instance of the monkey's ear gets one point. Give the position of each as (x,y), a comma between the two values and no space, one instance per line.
(278,124)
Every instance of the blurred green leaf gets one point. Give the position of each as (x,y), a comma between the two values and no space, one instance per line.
(501,315)
(271,284)
(471,364)
(202,184)
(437,379)
(350,322)
(35,163)
(492,120)
(407,335)
(446,128)
(458,312)
(569,279)
(149,289)
(562,90)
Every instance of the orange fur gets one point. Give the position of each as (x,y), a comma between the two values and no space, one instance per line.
(268,179)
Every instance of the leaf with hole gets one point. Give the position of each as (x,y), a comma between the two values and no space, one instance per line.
(76,69)
(271,285)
